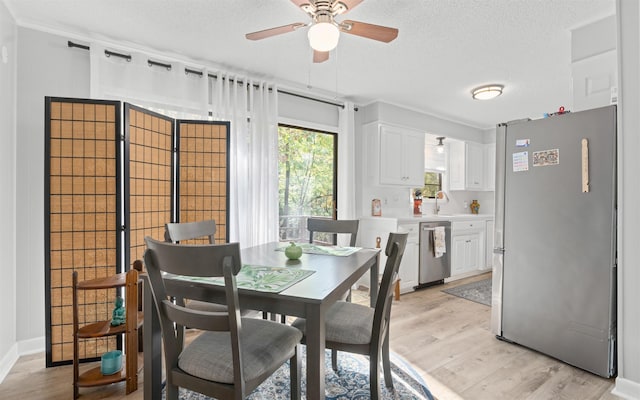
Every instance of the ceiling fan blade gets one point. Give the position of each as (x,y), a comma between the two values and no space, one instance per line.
(348,4)
(274,31)
(320,56)
(375,32)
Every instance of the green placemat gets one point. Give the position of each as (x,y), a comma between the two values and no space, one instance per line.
(258,277)
(310,248)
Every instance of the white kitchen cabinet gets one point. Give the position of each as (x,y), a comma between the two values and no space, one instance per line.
(466,253)
(490,166)
(410,264)
(400,156)
(466,165)
(489,246)
(372,227)
(467,246)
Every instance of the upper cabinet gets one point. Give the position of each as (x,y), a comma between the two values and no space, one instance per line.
(396,155)
(466,166)
(594,67)
(490,166)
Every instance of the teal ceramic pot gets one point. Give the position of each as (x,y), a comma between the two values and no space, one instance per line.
(293,252)
(111,362)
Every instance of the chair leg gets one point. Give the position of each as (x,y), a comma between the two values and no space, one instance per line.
(172,391)
(334,359)
(374,376)
(294,371)
(386,363)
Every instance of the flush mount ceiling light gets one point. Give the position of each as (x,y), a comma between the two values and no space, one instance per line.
(440,145)
(487,92)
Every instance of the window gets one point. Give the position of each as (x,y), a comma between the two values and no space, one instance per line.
(434,166)
(307,179)
(432,184)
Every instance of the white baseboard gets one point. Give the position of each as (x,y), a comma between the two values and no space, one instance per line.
(19,349)
(8,361)
(31,346)
(626,389)
(467,274)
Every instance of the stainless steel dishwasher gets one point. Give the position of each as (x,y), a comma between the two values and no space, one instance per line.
(433,270)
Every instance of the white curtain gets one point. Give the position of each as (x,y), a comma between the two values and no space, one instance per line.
(346,162)
(346,166)
(252,108)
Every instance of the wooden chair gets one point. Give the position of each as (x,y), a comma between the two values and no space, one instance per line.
(364,330)
(233,355)
(333,226)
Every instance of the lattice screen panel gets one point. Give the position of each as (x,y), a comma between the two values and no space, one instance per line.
(81,231)
(203,148)
(150,178)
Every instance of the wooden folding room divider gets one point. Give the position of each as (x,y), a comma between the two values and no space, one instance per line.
(115,173)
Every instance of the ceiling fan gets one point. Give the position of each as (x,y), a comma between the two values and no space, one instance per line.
(324,30)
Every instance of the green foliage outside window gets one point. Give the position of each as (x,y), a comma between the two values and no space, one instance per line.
(432,184)
(306,170)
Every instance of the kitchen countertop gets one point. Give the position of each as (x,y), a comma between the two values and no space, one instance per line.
(433,217)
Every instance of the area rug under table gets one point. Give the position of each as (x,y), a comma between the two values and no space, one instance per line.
(479,291)
(351,382)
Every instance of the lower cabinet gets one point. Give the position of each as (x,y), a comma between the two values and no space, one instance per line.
(489,239)
(409,266)
(465,255)
(372,228)
(467,246)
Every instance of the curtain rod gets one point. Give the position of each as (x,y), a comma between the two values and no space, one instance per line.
(109,53)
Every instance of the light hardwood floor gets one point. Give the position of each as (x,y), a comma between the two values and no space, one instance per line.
(446,338)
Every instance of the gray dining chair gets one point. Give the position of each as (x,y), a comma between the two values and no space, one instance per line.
(333,226)
(181,231)
(233,355)
(360,329)
(199,232)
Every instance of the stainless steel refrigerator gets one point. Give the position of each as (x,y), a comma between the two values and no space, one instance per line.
(554,270)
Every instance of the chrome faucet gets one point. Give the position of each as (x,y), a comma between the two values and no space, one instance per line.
(436,210)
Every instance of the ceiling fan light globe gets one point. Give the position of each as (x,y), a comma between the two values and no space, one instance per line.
(323,36)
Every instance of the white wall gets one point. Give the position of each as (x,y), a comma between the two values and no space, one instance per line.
(308,113)
(8,45)
(395,115)
(46,67)
(628,380)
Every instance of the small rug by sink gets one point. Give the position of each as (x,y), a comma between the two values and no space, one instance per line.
(479,291)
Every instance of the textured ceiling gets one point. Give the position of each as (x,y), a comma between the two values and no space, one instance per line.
(444,48)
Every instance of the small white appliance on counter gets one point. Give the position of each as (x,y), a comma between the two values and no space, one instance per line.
(435,264)
(554,266)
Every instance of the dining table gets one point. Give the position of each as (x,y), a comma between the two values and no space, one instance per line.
(333,275)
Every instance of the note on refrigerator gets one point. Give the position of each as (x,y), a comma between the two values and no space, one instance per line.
(521,161)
